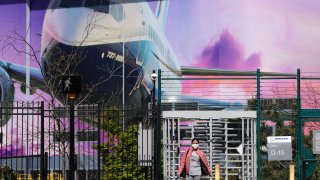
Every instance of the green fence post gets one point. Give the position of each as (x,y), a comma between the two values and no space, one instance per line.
(299,130)
(159,122)
(159,89)
(258,125)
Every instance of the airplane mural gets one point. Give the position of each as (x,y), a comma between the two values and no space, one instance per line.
(115,46)
(112,30)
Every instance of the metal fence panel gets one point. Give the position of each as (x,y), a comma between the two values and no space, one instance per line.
(106,140)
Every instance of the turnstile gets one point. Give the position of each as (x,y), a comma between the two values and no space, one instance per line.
(228,138)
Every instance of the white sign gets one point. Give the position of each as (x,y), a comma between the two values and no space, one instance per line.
(279,139)
(316,141)
(279,148)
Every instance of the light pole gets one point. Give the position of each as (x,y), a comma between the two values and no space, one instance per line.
(71,97)
(71,86)
(153,77)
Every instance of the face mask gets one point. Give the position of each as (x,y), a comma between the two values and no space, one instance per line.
(195,146)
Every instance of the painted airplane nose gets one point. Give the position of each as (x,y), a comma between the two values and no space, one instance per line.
(101,69)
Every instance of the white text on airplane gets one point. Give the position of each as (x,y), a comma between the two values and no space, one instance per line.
(115,56)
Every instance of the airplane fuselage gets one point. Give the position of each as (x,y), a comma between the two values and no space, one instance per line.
(101,45)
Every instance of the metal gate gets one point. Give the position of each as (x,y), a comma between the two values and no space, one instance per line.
(22,131)
(228,138)
(35,140)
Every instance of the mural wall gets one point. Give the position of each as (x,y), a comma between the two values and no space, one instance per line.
(278,36)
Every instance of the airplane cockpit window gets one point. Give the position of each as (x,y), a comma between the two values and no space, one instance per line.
(64,4)
(98,5)
(70,3)
(113,7)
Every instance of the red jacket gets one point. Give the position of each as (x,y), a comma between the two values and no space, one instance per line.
(185,160)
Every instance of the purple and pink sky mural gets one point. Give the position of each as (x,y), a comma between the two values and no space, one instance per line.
(273,35)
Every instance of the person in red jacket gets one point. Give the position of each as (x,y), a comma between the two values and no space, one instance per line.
(193,163)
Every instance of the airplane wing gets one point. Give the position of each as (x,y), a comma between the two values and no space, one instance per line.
(18,72)
(185,71)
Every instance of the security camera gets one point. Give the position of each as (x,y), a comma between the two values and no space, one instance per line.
(154,76)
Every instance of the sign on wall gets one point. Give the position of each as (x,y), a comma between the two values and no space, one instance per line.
(316,141)
(279,148)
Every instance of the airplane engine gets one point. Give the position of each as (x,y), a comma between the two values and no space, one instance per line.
(6,96)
